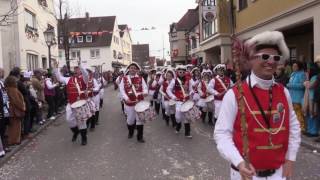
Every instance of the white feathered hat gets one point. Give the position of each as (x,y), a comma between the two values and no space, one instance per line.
(181,67)
(134,64)
(194,69)
(206,71)
(270,38)
(219,66)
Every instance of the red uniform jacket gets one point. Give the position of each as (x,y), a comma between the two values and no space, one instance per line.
(137,84)
(219,87)
(262,153)
(177,91)
(72,91)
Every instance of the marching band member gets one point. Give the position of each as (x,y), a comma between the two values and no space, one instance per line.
(218,86)
(188,73)
(178,91)
(259,133)
(169,112)
(92,88)
(118,81)
(156,95)
(162,79)
(194,83)
(133,88)
(204,92)
(152,84)
(76,88)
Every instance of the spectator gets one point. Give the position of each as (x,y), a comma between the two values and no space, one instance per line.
(49,92)
(281,76)
(17,110)
(311,112)
(316,99)
(4,114)
(38,85)
(296,90)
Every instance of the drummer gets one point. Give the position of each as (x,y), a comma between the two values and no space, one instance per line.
(133,88)
(152,84)
(156,95)
(178,91)
(169,112)
(218,86)
(76,87)
(118,81)
(194,83)
(162,79)
(204,94)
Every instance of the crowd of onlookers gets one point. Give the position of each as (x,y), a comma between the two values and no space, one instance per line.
(24,99)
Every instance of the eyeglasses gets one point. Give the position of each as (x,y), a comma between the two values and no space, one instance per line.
(267,57)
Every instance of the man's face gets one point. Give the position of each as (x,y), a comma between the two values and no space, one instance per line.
(77,71)
(181,73)
(169,76)
(220,72)
(133,70)
(264,63)
(295,67)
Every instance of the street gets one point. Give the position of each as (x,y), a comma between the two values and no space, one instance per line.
(111,155)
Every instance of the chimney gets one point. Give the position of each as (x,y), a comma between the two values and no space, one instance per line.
(87,15)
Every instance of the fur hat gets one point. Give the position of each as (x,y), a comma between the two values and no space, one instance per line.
(317,59)
(172,71)
(269,38)
(181,67)
(219,66)
(206,71)
(189,65)
(194,69)
(134,64)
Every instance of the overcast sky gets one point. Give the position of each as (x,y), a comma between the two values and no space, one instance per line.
(138,14)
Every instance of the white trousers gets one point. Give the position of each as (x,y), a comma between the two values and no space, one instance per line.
(179,115)
(132,117)
(217,106)
(235,175)
(96,100)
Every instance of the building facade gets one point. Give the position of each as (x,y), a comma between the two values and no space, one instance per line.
(23,43)
(97,42)
(299,20)
(140,54)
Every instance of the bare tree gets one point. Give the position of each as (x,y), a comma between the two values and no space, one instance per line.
(7,17)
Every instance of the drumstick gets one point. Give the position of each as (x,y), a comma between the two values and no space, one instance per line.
(182,88)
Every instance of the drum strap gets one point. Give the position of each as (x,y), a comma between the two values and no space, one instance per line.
(132,87)
(221,82)
(77,85)
(182,89)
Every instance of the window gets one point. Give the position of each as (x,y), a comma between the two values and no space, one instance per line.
(293,53)
(243,4)
(115,54)
(30,19)
(32,62)
(209,3)
(95,53)
(89,38)
(210,28)
(75,54)
(60,54)
(194,42)
(80,39)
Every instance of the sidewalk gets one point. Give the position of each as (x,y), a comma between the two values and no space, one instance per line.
(309,143)
(38,130)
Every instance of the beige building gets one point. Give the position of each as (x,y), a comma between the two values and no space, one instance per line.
(23,43)
(299,20)
(126,44)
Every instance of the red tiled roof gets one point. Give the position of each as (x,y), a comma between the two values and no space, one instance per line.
(189,20)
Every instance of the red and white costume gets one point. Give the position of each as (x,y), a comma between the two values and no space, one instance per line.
(216,86)
(133,88)
(264,154)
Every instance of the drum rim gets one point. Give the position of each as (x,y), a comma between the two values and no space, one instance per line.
(146,102)
(84,102)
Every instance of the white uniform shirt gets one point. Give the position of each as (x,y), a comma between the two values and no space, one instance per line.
(223,132)
(123,92)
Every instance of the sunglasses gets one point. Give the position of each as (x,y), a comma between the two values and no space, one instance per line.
(267,57)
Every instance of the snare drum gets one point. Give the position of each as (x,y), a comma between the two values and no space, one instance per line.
(144,111)
(80,110)
(190,111)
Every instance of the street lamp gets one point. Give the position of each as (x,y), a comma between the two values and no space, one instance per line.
(49,36)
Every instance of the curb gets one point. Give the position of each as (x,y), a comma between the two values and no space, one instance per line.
(24,143)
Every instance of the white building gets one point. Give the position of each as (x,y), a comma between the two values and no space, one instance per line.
(23,43)
(98,42)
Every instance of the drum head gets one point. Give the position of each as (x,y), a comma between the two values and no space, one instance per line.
(187,106)
(142,106)
(78,103)
(210,98)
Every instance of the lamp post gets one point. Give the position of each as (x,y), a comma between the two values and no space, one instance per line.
(49,36)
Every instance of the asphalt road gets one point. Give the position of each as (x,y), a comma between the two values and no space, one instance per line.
(110,155)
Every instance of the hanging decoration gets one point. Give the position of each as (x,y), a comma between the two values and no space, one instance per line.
(209,13)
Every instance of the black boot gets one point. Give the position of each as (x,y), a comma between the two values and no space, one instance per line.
(75,131)
(157,107)
(93,123)
(173,120)
(178,127)
(131,131)
(167,118)
(163,113)
(140,134)
(210,116)
(187,130)
(83,133)
(97,117)
(122,107)
(203,116)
